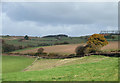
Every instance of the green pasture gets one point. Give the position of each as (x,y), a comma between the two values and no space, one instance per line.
(90,68)
(15,63)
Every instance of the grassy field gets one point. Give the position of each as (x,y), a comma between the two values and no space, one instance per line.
(66,49)
(15,63)
(90,68)
(35,41)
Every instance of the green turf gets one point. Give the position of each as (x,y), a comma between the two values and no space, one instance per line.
(51,63)
(15,63)
(85,69)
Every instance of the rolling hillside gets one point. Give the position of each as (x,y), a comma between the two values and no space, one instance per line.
(66,49)
(91,68)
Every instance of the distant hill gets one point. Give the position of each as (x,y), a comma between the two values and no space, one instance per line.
(60,35)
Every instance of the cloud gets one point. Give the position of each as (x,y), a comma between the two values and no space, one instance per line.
(44,18)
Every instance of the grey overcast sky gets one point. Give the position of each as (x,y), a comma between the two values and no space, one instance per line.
(47,18)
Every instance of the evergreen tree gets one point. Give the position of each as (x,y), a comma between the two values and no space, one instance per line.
(26,37)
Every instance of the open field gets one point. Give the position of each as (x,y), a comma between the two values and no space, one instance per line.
(90,68)
(112,45)
(52,63)
(66,49)
(15,63)
(36,41)
(60,41)
(62,49)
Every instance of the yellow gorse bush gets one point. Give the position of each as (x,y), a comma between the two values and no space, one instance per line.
(96,41)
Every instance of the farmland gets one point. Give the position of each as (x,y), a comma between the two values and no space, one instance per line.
(111,46)
(93,68)
(63,41)
(36,41)
(87,68)
(15,63)
(66,49)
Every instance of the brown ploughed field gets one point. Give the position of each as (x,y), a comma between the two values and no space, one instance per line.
(67,49)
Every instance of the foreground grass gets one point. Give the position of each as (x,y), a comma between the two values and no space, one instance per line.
(85,69)
(51,63)
(15,63)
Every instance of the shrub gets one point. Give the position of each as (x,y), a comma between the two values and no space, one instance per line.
(7,48)
(26,37)
(31,54)
(44,53)
(53,54)
(71,56)
(20,47)
(41,55)
(113,37)
(87,50)
(40,50)
(95,42)
(80,50)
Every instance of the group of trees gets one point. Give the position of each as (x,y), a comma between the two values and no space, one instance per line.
(94,44)
(56,36)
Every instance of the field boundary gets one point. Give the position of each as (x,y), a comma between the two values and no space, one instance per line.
(30,65)
(110,54)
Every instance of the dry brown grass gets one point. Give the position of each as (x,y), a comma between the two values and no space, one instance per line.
(111,45)
(62,49)
(67,49)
